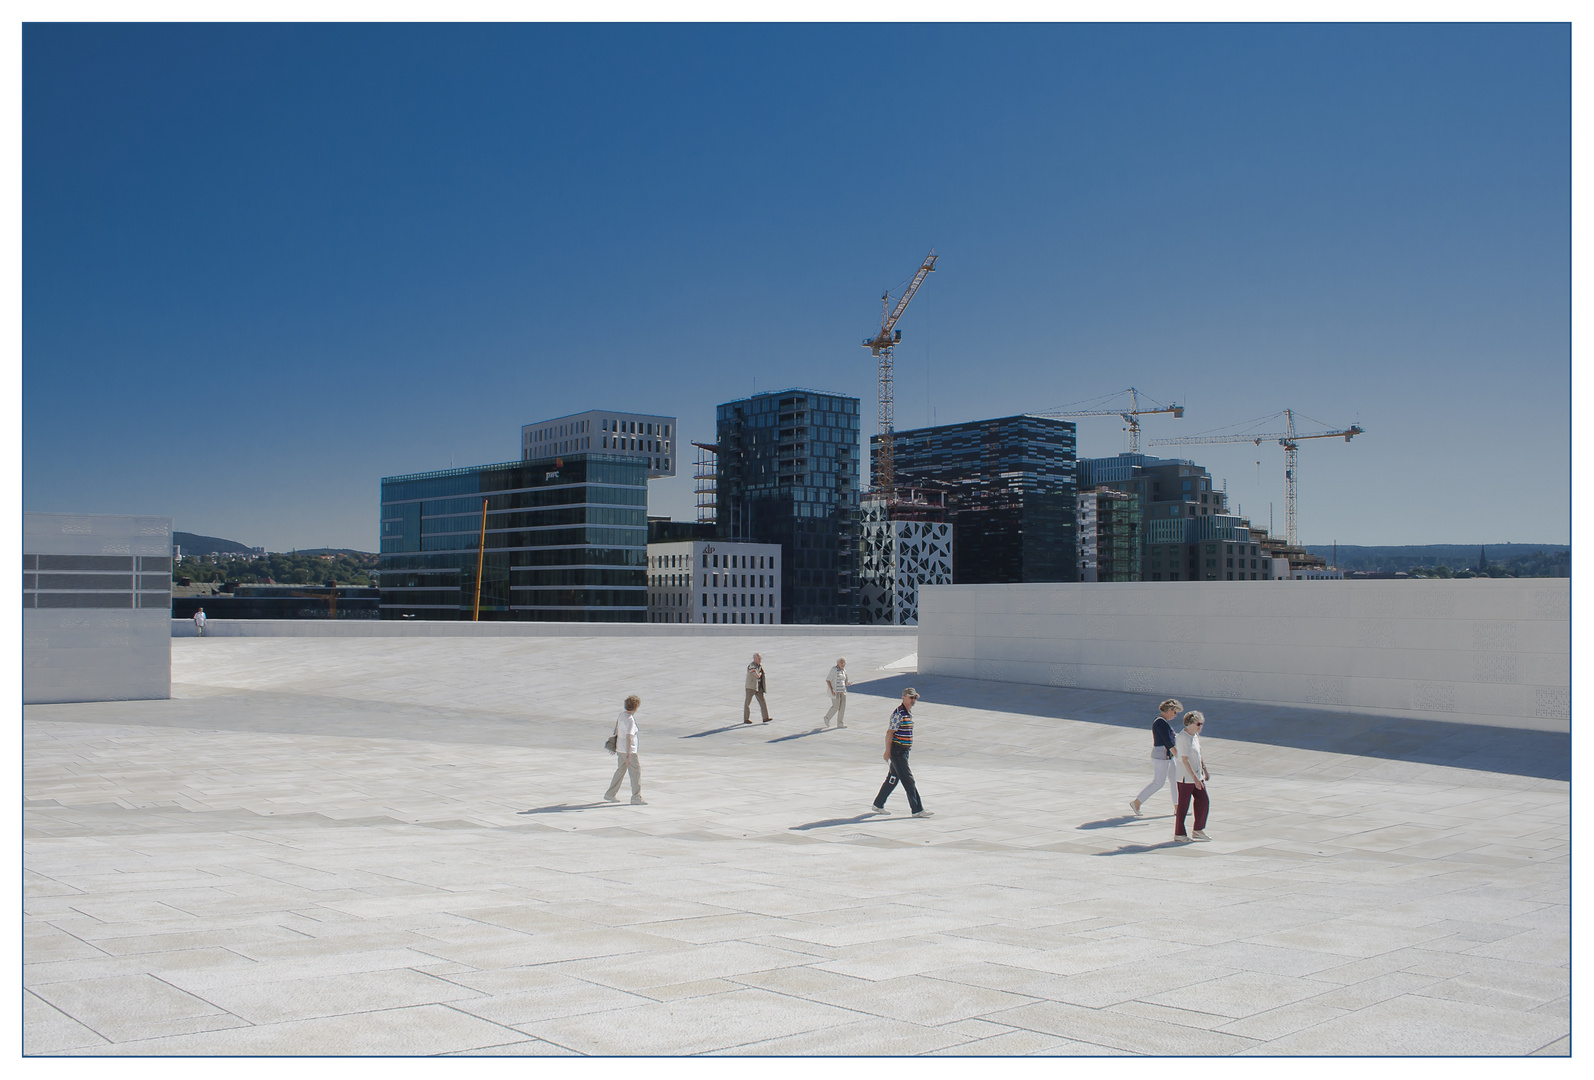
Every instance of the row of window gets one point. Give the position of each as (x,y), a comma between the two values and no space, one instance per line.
(754,617)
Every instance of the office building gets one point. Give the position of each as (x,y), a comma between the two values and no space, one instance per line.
(717,582)
(899,551)
(1009,488)
(96,607)
(787,474)
(1187,530)
(566,541)
(634,436)
(1109,535)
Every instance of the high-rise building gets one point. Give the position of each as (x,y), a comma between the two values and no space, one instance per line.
(1009,488)
(566,541)
(718,582)
(787,474)
(1109,535)
(640,436)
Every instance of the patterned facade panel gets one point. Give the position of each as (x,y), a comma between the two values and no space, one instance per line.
(896,557)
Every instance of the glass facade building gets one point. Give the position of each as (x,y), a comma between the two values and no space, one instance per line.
(566,541)
(787,474)
(1009,486)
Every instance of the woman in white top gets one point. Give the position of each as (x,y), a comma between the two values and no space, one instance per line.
(625,739)
(1192,774)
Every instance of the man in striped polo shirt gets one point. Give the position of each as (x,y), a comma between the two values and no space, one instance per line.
(899,741)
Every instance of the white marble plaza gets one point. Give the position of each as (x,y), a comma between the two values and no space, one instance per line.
(396,846)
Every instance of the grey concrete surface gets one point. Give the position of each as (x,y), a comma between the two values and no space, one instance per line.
(396,846)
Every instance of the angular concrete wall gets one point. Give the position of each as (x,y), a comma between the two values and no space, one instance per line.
(95,625)
(1475,651)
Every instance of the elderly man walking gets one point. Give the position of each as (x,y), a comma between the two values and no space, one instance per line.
(899,741)
(755,686)
(836,683)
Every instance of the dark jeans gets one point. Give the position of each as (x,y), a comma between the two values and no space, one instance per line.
(899,773)
(1186,793)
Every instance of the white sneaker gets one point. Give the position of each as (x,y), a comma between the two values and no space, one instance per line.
(1183,840)
(610,798)
(638,802)
(924,813)
(1134,804)
(839,724)
(878,809)
(1200,834)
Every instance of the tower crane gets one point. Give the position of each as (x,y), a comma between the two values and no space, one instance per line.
(883,345)
(1290,439)
(1131,416)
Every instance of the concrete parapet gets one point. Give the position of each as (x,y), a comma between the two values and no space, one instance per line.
(418,628)
(1494,652)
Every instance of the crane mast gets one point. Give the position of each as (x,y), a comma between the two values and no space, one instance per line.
(1290,440)
(883,345)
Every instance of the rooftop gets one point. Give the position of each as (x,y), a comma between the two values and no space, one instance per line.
(355,845)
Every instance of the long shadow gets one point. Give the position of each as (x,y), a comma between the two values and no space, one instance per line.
(714,731)
(1543,755)
(828,823)
(1109,823)
(1137,849)
(562,807)
(799,735)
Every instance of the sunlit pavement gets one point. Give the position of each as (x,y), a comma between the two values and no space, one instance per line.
(398,846)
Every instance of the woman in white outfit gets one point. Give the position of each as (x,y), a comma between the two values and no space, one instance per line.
(625,737)
(1192,778)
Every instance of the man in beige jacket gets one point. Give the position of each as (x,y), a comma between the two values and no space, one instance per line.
(755,687)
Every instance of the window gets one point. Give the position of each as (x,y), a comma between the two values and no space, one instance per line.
(705,560)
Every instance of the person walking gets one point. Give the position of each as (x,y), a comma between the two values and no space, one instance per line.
(1162,763)
(755,686)
(199,621)
(625,739)
(899,741)
(1192,779)
(836,683)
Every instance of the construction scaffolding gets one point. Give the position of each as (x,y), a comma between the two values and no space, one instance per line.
(705,483)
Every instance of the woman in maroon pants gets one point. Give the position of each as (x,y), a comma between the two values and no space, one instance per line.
(1192,775)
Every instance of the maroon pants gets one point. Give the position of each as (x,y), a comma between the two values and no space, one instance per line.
(1186,792)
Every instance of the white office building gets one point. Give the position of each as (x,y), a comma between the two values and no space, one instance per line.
(647,438)
(718,582)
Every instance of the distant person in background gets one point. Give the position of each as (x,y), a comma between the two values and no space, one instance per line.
(1192,778)
(199,621)
(1162,763)
(899,742)
(625,737)
(755,686)
(836,683)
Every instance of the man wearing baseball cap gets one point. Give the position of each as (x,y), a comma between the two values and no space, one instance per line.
(899,741)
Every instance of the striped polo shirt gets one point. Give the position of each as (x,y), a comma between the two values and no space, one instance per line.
(901,729)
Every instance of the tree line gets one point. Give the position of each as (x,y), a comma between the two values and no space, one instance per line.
(278,568)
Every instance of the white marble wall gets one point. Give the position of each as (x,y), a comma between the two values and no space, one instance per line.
(1474,651)
(96,653)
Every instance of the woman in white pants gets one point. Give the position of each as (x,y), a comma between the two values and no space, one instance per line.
(1163,766)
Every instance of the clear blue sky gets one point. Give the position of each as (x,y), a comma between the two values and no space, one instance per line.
(265,266)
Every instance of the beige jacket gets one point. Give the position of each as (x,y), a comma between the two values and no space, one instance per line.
(755,678)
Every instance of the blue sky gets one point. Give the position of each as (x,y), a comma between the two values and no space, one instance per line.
(264,266)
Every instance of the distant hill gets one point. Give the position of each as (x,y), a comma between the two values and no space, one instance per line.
(332,551)
(1404,557)
(194,544)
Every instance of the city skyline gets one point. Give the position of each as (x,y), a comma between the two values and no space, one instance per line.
(266,266)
